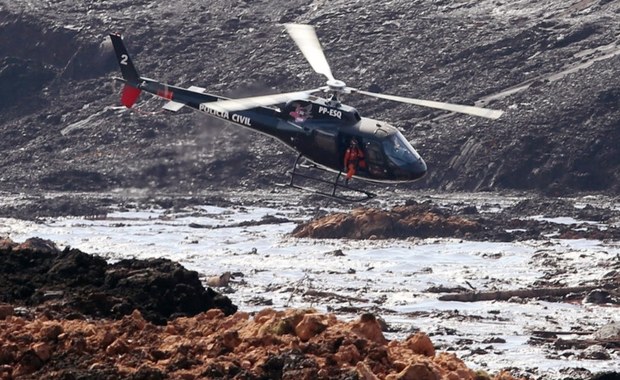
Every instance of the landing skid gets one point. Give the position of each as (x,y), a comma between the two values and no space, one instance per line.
(336,189)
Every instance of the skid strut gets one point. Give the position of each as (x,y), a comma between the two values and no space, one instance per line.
(337,190)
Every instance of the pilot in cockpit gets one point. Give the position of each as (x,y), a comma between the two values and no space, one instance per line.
(300,112)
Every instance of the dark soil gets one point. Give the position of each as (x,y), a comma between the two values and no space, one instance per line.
(73,284)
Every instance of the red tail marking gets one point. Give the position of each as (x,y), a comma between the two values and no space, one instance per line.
(130,95)
(165,93)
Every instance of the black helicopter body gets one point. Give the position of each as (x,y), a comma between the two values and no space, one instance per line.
(319,129)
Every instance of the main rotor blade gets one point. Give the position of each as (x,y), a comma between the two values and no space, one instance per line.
(307,41)
(470,110)
(231,105)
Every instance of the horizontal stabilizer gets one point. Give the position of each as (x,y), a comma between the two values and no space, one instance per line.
(173,106)
(130,95)
(197,89)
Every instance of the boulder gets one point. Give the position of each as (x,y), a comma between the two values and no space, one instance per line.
(608,332)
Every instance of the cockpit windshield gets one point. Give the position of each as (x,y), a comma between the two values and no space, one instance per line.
(399,150)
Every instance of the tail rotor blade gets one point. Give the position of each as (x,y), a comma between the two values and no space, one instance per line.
(469,110)
(307,41)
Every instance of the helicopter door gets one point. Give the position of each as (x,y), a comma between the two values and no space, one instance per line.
(326,147)
(375,160)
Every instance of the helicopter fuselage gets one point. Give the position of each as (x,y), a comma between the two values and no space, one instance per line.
(317,128)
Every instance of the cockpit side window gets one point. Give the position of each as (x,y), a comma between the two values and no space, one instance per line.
(299,111)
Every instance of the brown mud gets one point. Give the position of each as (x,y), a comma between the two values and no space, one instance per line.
(67,314)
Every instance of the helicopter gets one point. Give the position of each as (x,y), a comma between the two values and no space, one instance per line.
(318,128)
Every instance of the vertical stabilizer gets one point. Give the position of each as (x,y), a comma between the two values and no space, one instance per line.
(131,90)
(130,74)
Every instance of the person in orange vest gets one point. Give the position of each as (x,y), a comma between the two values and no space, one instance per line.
(353,159)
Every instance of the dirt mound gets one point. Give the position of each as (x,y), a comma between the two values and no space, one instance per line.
(70,282)
(414,219)
(293,344)
(424,220)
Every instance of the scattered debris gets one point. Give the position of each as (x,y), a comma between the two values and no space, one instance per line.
(220,281)
(522,293)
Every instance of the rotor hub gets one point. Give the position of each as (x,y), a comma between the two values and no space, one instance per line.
(336,85)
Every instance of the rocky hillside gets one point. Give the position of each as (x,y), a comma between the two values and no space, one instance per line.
(551,65)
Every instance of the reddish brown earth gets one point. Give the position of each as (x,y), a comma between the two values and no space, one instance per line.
(373,223)
(292,344)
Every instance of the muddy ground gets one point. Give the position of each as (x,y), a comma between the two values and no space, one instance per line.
(464,221)
(85,295)
(70,315)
